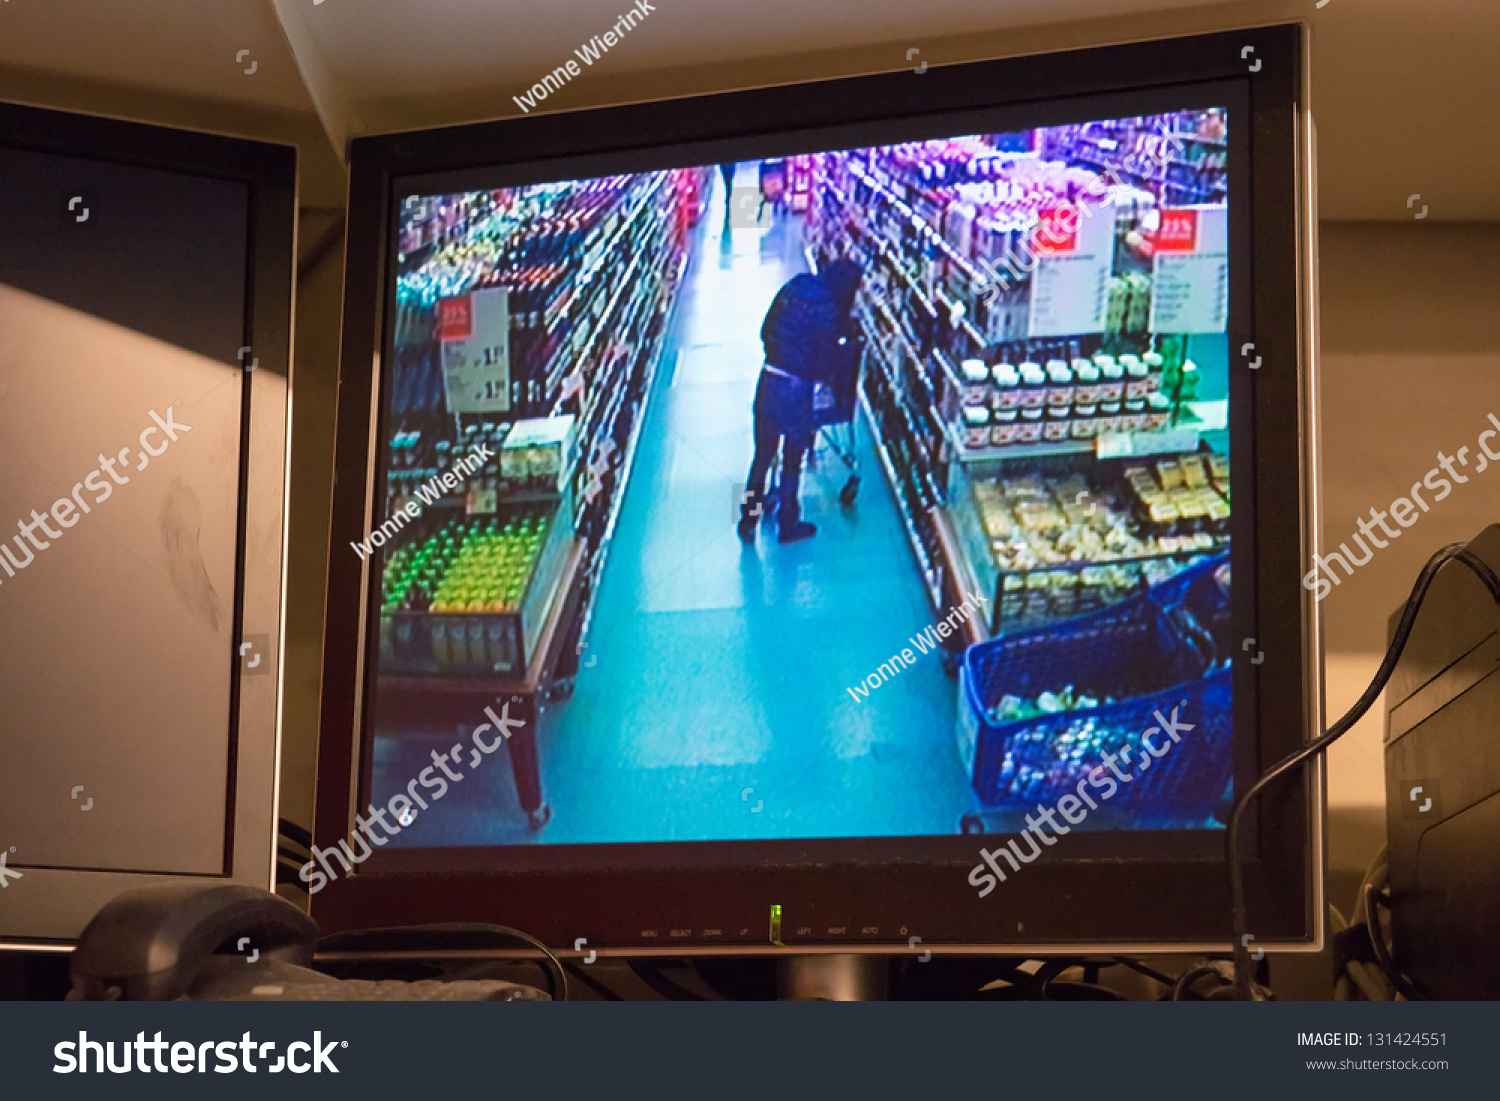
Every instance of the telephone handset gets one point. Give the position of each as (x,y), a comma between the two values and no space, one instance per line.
(151,943)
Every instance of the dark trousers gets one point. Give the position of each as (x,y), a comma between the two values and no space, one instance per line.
(783,412)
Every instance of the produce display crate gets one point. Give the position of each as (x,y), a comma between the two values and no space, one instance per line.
(1133,653)
(1043,594)
(437,642)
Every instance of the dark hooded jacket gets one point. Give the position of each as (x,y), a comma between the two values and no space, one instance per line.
(808,316)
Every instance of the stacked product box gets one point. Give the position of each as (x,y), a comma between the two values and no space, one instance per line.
(1033,393)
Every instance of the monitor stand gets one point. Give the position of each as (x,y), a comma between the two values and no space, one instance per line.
(832,977)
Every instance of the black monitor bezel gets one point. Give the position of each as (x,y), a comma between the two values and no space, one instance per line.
(61,901)
(1134,900)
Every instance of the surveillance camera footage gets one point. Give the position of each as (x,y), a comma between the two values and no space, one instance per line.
(890,485)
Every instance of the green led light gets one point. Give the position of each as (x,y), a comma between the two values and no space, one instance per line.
(776,924)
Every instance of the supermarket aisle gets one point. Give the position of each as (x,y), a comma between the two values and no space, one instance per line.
(714,668)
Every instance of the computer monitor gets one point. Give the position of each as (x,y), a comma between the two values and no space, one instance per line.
(145,326)
(590,675)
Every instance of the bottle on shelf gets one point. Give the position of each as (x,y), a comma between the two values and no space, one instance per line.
(1155,366)
(976,380)
(1060,387)
(1137,377)
(976,426)
(1086,378)
(1033,387)
(1007,390)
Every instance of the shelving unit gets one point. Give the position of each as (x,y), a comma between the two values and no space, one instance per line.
(603,332)
(922,310)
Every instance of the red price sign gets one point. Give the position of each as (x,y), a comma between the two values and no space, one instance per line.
(455,318)
(1178,232)
(1056,231)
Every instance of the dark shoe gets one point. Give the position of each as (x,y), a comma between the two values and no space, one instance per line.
(796,532)
(746,529)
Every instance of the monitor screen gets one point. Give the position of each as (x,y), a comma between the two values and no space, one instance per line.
(145,318)
(866,492)
(122,307)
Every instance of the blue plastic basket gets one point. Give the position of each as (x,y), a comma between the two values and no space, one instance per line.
(1197,591)
(1131,652)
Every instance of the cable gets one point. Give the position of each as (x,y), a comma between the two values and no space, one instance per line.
(1048,985)
(1142,969)
(1242,978)
(1082,992)
(1382,954)
(293,832)
(592,983)
(553,968)
(1184,984)
(1373,872)
(1370,982)
(1050,970)
(651,975)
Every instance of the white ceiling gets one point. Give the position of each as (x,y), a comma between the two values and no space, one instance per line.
(185,47)
(1404,90)
(391,44)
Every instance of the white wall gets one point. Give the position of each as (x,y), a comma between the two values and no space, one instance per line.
(1410,366)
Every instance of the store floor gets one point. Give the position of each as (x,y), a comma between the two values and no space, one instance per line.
(713,700)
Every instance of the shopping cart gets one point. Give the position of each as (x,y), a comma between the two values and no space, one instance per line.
(833,419)
(833,413)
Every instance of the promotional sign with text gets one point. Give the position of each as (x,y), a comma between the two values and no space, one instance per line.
(474,330)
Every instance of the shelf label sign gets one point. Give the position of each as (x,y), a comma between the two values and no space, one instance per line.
(1190,271)
(474,329)
(1119,445)
(1074,256)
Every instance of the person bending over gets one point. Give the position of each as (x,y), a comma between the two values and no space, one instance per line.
(801,333)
